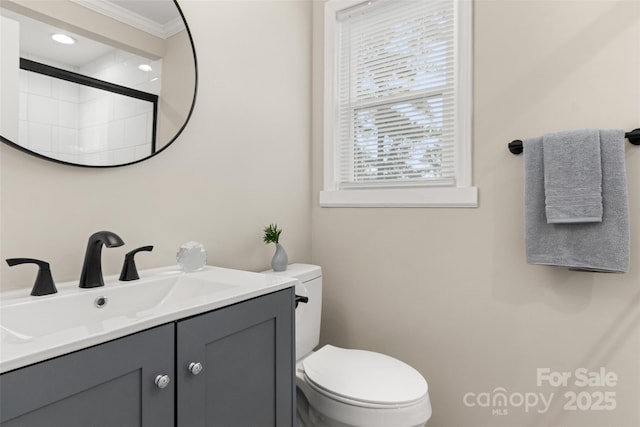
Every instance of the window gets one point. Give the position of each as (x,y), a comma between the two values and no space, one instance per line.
(398,103)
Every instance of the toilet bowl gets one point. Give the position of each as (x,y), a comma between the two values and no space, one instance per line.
(339,387)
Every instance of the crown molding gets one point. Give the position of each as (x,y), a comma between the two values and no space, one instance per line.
(132,19)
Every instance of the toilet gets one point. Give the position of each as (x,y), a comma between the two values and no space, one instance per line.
(339,387)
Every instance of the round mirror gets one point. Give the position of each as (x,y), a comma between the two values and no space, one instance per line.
(95,83)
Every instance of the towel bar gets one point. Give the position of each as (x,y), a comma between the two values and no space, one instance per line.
(515,146)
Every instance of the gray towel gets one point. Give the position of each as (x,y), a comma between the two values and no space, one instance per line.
(572,176)
(598,246)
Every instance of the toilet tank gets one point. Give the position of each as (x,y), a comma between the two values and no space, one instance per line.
(307,315)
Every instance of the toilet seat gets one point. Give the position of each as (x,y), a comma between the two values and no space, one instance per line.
(357,388)
(363,378)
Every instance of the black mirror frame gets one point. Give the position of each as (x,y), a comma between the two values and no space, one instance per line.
(193,103)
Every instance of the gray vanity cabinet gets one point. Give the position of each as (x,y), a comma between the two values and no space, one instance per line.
(112,384)
(245,351)
(247,360)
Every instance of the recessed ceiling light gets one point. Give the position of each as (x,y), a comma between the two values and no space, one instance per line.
(63,38)
(145,67)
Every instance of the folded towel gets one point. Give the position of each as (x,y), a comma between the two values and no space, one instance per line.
(572,176)
(598,246)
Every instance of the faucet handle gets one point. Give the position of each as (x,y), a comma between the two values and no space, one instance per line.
(44,281)
(129,270)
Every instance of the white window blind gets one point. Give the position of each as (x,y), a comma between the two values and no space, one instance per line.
(395,88)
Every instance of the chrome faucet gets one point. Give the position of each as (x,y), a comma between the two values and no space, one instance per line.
(91,276)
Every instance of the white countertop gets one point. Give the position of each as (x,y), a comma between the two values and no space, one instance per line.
(33,329)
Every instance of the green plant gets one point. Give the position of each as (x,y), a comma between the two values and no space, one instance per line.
(272,233)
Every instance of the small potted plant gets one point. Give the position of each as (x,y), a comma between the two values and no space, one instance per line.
(280,259)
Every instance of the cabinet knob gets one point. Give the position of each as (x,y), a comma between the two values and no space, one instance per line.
(162,381)
(195,368)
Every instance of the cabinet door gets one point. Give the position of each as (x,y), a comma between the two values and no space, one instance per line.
(109,385)
(247,354)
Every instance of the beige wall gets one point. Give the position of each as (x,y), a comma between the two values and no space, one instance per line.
(241,163)
(178,81)
(448,290)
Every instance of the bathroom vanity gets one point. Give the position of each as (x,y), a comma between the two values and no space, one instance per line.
(226,358)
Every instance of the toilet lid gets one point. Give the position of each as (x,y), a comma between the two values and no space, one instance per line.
(364,376)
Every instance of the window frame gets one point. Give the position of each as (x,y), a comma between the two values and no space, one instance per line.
(463,194)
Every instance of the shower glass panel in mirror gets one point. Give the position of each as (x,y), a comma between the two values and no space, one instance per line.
(116,89)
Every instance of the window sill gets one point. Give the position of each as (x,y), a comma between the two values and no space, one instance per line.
(440,197)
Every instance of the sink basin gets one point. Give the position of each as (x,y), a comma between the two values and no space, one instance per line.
(104,308)
(36,328)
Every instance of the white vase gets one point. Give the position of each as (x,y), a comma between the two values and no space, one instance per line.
(280,259)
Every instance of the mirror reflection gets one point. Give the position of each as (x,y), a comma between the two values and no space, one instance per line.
(96,82)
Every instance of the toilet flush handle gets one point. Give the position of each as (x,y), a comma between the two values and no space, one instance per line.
(301,299)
